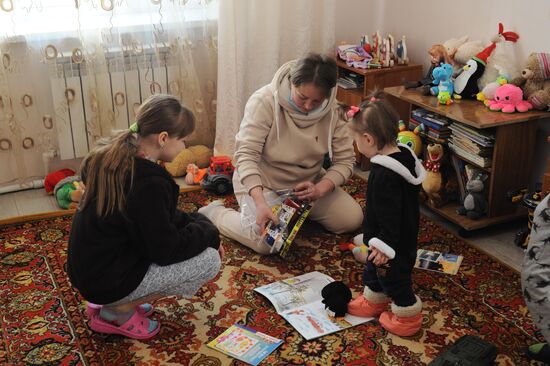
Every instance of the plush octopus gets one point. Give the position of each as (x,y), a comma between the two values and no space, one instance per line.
(508,99)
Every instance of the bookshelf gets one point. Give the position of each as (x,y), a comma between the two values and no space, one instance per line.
(512,158)
(374,79)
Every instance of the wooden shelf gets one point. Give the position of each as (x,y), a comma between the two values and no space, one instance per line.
(512,158)
(470,112)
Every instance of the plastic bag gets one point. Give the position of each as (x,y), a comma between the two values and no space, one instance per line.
(291,213)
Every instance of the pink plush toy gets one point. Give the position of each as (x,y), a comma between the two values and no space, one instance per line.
(508,99)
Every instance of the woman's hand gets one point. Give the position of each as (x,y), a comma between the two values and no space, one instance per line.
(264,215)
(311,191)
(377,257)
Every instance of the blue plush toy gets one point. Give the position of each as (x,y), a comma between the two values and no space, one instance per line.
(444,85)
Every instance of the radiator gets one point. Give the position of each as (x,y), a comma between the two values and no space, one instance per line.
(89,102)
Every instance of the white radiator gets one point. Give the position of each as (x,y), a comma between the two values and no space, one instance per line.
(90,103)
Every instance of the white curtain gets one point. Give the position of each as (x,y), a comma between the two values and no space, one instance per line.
(73,70)
(255,38)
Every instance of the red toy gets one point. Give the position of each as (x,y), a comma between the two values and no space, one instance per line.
(219,175)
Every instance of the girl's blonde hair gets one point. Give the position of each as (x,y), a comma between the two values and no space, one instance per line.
(378,118)
(108,170)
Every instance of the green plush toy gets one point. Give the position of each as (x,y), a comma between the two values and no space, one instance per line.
(68,192)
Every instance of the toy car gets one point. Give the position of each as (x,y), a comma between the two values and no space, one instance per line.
(219,175)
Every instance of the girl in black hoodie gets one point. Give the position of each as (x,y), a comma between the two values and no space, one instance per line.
(129,243)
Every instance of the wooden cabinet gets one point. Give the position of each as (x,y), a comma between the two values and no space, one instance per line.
(375,79)
(513,151)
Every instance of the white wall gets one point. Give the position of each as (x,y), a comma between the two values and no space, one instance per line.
(426,22)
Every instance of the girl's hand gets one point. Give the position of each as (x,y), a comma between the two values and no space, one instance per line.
(263,215)
(377,257)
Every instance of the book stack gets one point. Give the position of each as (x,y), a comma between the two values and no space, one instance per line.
(472,144)
(436,127)
(350,80)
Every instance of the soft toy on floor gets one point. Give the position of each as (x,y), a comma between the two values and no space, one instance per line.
(69,191)
(199,155)
(336,296)
(359,250)
(535,80)
(508,99)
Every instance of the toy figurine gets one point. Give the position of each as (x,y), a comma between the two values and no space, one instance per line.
(401,52)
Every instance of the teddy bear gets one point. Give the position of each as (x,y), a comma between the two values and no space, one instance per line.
(535,80)
(475,204)
(199,155)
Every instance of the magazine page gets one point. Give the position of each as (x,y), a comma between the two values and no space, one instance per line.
(312,321)
(439,262)
(294,292)
(245,344)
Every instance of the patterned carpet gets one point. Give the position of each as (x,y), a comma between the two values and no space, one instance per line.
(43,321)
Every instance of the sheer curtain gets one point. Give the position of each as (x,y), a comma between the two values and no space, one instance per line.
(255,38)
(73,70)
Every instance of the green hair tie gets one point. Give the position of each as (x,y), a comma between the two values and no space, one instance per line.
(134,127)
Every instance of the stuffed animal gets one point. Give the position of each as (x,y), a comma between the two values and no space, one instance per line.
(475,204)
(466,84)
(444,85)
(508,99)
(488,92)
(535,80)
(69,191)
(440,184)
(359,250)
(336,296)
(411,138)
(54,177)
(199,155)
(460,50)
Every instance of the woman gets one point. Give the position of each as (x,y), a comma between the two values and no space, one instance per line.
(287,128)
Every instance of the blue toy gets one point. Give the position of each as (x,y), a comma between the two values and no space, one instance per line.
(443,84)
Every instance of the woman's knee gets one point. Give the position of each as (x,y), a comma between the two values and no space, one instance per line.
(350,221)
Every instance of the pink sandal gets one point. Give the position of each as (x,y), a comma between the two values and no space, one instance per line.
(144,309)
(137,327)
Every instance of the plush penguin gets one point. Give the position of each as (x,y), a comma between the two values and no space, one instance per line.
(336,296)
(465,84)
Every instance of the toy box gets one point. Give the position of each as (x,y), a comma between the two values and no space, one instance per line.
(291,214)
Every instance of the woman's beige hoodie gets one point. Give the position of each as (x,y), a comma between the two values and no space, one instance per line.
(278,147)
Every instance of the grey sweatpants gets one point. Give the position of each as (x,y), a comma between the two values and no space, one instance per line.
(183,278)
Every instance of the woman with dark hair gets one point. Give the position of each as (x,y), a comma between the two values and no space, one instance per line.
(288,127)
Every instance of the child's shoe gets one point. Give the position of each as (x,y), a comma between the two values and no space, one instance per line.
(369,304)
(403,321)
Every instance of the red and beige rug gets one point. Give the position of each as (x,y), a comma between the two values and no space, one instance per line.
(43,320)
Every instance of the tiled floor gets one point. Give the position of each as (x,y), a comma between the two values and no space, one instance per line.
(497,241)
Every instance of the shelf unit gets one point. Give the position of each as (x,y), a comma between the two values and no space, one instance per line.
(512,154)
(374,79)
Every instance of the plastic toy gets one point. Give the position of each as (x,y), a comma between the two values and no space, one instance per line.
(530,200)
(475,203)
(509,99)
(336,296)
(291,214)
(411,138)
(401,52)
(443,84)
(468,350)
(218,177)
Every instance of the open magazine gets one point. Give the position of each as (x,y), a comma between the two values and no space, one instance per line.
(245,344)
(436,261)
(298,300)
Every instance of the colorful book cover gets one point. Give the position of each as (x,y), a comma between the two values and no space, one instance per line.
(439,262)
(245,344)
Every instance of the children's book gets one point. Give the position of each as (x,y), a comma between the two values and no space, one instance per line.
(245,344)
(299,301)
(436,261)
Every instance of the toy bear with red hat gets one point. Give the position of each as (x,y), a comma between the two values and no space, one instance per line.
(465,85)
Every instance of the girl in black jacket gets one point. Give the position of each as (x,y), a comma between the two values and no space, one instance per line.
(391,220)
(129,244)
